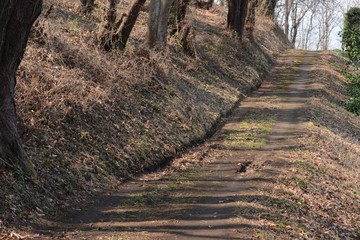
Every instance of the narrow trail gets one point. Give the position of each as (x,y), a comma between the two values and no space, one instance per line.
(229,194)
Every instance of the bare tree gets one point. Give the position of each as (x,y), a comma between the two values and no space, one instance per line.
(309,24)
(16,22)
(292,14)
(309,29)
(116,34)
(299,11)
(250,19)
(177,15)
(164,20)
(158,22)
(204,4)
(287,10)
(107,36)
(327,22)
(237,15)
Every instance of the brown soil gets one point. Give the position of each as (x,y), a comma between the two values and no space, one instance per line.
(244,183)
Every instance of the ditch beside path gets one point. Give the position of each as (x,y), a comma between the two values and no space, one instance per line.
(228,194)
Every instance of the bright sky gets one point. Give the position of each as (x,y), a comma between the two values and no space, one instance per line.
(335,38)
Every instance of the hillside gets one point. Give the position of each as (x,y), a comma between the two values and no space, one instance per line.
(90,120)
(243,140)
(285,165)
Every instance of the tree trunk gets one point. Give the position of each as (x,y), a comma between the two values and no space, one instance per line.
(250,19)
(128,23)
(298,14)
(163,21)
(15,25)
(308,31)
(204,4)
(108,32)
(267,7)
(237,15)
(158,22)
(177,15)
(288,7)
(117,34)
(294,36)
(111,14)
(294,28)
(154,13)
(185,42)
(233,18)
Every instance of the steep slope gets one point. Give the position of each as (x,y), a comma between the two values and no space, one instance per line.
(271,172)
(90,120)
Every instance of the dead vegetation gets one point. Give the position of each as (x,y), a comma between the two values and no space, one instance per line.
(323,182)
(90,119)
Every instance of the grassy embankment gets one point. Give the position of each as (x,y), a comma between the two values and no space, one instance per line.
(90,119)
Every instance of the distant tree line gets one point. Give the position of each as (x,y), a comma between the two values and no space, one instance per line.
(311,24)
(167,17)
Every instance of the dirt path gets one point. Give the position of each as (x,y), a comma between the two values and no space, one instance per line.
(228,194)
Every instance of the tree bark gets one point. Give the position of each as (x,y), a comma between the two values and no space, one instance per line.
(287,10)
(116,34)
(185,42)
(108,32)
(163,21)
(16,19)
(158,22)
(177,15)
(153,25)
(237,15)
(251,18)
(128,23)
(294,28)
(308,31)
(298,13)
(204,4)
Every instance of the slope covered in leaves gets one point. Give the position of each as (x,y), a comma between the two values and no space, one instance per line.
(319,188)
(90,119)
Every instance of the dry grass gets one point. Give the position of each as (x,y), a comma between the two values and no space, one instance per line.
(90,119)
(324,180)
